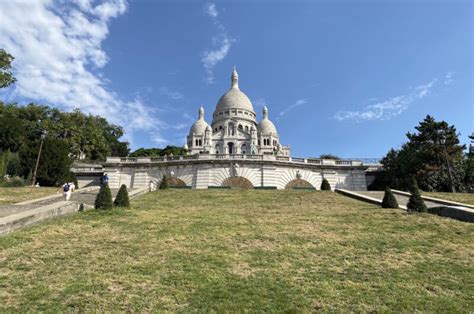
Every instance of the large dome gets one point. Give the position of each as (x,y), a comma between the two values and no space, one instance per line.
(234,98)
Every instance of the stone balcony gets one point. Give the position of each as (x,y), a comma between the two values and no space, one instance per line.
(234,157)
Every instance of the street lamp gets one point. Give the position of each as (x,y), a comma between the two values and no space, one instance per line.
(442,140)
(33,177)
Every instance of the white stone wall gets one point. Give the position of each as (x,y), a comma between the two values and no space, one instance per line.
(203,175)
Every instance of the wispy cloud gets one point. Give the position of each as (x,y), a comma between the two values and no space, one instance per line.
(449,78)
(59,55)
(171,94)
(211,10)
(222,43)
(390,108)
(299,102)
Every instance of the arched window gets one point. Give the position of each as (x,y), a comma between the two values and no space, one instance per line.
(218,149)
(243,149)
(220,127)
(246,128)
(241,127)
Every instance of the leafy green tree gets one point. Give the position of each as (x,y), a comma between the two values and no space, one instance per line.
(54,164)
(325,186)
(425,157)
(389,200)
(6,75)
(104,198)
(415,202)
(122,200)
(329,156)
(158,152)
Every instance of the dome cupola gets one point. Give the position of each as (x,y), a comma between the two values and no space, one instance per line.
(266,126)
(234,100)
(200,126)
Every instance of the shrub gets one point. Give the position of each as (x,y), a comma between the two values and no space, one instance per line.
(325,186)
(164,183)
(416,203)
(104,198)
(122,199)
(389,200)
(12,182)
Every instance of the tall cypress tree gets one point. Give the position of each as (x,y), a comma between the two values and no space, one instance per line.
(104,198)
(389,200)
(416,203)
(325,186)
(122,200)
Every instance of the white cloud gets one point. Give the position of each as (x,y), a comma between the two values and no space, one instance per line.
(58,49)
(387,109)
(171,94)
(298,103)
(449,78)
(221,44)
(211,10)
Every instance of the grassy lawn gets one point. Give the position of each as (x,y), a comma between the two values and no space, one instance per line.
(467,198)
(16,195)
(234,251)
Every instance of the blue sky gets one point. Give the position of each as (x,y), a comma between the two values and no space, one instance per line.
(342,77)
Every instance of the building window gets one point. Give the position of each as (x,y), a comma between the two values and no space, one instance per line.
(247,128)
(220,127)
(258,142)
(215,129)
(240,127)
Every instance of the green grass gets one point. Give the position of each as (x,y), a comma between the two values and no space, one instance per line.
(20,194)
(467,198)
(235,251)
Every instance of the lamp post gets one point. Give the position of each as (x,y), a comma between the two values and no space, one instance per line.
(442,140)
(33,177)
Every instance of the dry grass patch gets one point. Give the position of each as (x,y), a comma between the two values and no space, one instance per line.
(21,194)
(467,198)
(238,250)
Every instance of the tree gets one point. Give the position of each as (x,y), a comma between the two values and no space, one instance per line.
(389,200)
(6,75)
(54,162)
(415,202)
(158,152)
(428,155)
(325,186)
(122,200)
(164,183)
(329,156)
(104,198)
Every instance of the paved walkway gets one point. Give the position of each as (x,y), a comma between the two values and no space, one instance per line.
(401,199)
(86,197)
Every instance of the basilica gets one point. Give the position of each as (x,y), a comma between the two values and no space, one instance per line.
(234,128)
(234,151)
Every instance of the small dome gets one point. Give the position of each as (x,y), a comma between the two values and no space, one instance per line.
(266,126)
(200,126)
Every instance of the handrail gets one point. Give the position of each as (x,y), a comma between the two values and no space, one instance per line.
(285,159)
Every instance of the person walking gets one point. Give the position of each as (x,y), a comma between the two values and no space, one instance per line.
(67,190)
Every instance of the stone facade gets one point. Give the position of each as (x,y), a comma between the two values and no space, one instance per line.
(235,151)
(204,171)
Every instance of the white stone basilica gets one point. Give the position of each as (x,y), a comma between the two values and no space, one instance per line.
(234,128)
(234,151)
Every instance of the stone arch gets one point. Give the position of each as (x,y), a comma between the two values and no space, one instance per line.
(174,182)
(237,183)
(299,184)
